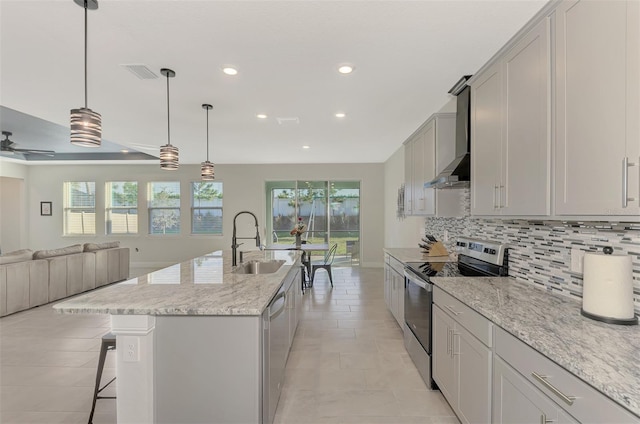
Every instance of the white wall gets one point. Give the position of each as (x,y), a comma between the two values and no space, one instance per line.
(398,233)
(13,206)
(243,190)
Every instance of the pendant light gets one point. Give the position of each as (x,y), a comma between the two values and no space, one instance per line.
(168,153)
(207,167)
(86,125)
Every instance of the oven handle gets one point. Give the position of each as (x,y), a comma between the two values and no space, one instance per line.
(415,279)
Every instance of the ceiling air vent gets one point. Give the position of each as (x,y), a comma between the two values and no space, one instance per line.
(141,71)
(294,120)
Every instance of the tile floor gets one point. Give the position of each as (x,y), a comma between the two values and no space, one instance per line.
(347,364)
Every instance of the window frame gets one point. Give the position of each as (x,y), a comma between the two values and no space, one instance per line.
(66,209)
(151,209)
(108,188)
(194,208)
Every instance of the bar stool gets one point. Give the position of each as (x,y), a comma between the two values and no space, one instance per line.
(108,343)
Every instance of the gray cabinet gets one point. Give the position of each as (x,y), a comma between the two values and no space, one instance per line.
(515,400)
(394,288)
(597,108)
(510,130)
(461,359)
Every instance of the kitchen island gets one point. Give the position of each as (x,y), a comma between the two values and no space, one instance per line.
(193,339)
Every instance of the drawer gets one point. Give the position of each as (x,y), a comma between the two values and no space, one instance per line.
(396,265)
(589,404)
(475,323)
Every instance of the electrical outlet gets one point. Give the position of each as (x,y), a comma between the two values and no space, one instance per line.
(131,349)
(577,260)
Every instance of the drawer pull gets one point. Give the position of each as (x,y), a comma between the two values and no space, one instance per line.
(543,380)
(544,420)
(453,311)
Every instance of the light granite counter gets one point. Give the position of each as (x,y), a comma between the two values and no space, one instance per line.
(605,356)
(415,254)
(201,286)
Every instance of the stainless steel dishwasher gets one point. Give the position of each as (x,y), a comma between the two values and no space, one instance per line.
(274,353)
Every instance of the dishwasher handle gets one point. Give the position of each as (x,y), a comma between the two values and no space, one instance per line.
(275,315)
(413,278)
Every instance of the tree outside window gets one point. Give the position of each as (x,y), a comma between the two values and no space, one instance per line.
(122,207)
(206,208)
(164,207)
(79,207)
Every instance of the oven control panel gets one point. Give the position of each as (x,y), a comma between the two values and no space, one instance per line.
(485,250)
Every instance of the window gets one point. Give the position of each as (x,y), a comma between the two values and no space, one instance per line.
(122,207)
(164,207)
(79,207)
(206,208)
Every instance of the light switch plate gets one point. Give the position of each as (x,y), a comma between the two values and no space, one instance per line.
(577,260)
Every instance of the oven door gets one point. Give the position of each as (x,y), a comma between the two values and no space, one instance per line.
(418,300)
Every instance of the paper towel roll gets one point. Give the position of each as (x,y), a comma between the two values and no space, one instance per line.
(608,286)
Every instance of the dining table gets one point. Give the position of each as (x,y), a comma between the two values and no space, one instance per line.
(307,249)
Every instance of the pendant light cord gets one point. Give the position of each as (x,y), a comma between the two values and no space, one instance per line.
(85,54)
(168,114)
(207,134)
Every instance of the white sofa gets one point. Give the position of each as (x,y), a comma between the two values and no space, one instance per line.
(29,279)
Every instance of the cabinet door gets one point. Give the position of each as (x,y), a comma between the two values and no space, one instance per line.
(473,377)
(400,306)
(408,178)
(486,134)
(394,295)
(515,400)
(417,174)
(429,167)
(443,360)
(595,56)
(387,285)
(525,186)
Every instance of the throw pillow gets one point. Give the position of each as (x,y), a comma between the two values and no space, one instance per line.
(16,256)
(69,250)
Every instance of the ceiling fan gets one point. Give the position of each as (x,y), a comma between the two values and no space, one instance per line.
(7,146)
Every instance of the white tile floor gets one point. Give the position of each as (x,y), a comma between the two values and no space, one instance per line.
(347,364)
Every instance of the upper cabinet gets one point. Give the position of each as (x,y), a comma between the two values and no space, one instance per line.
(510,132)
(429,150)
(597,115)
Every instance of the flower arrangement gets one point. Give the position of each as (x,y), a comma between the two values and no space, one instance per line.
(299,228)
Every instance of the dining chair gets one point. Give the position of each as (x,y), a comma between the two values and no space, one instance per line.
(326,264)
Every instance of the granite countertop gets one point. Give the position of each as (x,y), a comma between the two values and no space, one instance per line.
(415,254)
(201,286)
(603,355)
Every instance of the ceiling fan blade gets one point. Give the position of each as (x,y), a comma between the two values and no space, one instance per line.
(51,152)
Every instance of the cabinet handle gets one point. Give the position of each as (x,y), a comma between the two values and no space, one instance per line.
(544,420)
(453,343)
(501,204)
(449,341)
(453,311)
(543,379)
(625,182)
(495,197)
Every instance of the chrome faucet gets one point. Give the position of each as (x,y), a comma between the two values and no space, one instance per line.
(234,239)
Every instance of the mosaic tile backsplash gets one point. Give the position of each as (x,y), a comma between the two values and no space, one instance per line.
(540,252)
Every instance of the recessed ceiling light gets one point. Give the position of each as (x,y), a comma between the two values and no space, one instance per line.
(346,69)
(124,151)
(340,115)
(230,70)
(261,116)
(306,147)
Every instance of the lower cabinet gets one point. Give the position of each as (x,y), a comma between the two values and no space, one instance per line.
(461,366)
(515,400)
(394,288)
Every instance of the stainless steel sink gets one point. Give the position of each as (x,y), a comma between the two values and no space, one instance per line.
(259,267)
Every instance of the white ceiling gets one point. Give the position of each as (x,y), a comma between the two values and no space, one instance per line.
(407,55)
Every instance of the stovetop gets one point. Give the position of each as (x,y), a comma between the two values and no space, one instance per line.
(434,269)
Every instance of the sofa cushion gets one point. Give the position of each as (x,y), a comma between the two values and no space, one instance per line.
(43,254)
(16,256)
(92,247)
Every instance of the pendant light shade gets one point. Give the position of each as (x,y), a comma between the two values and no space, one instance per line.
(168,153)
(86,125)
(207,172)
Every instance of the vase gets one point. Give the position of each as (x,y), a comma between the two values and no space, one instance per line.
(298,240)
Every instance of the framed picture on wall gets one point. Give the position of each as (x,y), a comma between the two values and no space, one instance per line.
(45,208)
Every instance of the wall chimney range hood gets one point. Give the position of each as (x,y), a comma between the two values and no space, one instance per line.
(457,174)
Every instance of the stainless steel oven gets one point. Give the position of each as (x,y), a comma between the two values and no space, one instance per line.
(475,258)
